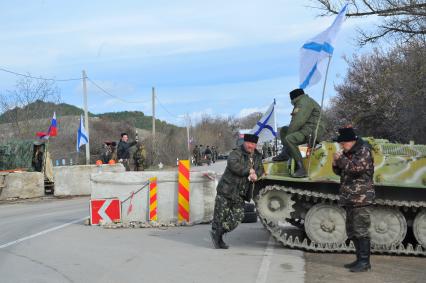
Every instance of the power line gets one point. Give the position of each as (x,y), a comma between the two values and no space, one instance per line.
(165,109)
(114,96)
(39,78)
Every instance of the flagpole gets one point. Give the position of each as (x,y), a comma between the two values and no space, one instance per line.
(275,128)
(319,119)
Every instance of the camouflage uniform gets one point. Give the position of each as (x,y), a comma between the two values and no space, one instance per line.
(196,155)
(304,119)
(356,170)
(232,189)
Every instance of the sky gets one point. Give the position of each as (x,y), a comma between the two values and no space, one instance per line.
(219,58)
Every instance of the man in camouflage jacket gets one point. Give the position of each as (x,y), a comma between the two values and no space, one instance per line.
(355,166)
(244,167)
(304,119)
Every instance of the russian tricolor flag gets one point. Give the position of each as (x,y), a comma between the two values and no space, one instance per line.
(52,131)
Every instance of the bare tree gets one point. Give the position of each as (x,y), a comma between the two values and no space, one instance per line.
(26,102)
(384,94)
(402,19)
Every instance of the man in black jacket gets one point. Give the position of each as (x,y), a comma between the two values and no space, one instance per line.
(243,169)
(123,150)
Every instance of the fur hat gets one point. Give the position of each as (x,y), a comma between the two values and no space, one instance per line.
(346,135)
(296,92)
(251,138)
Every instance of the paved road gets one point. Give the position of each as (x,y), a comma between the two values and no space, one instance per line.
(79,253)
(45,241)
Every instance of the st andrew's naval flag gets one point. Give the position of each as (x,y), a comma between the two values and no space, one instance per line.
(82,137)
(266,128)
(314,51)
(51,132)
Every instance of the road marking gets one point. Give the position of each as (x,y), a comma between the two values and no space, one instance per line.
(262,276)
(42,233)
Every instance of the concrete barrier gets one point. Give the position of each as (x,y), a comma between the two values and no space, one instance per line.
(75,180)
(21,185)
(121,185)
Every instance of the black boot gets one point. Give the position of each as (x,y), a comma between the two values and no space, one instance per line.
(364,256)
(222,244)
(216,236)
(283,156)
(299,171)
(352,264)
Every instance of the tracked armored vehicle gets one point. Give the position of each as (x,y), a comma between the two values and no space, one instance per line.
(398,217)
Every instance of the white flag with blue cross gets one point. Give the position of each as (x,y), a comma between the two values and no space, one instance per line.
(315,50)
(266,127)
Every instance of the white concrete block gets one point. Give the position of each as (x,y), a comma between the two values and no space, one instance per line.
(75,180)
(121,185)
(21,185)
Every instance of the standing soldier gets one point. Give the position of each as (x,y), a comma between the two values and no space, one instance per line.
(214,154)
(265,150)
(355,166)
(208,155)
(106,152)
(201,155)
(243,169)
(196,155)
(139,158)
(123,150)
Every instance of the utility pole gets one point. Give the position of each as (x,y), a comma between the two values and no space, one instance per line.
(86,118)
(153,126)
(188,124)
(153,113)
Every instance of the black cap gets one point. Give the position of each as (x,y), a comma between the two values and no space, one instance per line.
(346,135)
(251,138)
(296,92)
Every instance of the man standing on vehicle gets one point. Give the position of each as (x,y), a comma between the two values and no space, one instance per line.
(123,150)
(355,166)
(304,120)
(243,169)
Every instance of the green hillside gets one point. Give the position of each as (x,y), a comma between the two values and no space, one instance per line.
(40,110)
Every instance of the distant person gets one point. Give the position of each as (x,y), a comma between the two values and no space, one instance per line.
(106,154)
(37,160)
(355,166)
(243,169)
(196,155)
(214,154)
(208,155)
(304,120)
(265,150)
(139,158)
(123,150)
(201,154)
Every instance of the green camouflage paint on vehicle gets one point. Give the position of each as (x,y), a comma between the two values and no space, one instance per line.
(311,203)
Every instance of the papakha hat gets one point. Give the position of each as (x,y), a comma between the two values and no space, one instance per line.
(296,92)
(346,135)
(251,138)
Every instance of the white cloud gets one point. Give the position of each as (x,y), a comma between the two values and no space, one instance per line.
(247,111)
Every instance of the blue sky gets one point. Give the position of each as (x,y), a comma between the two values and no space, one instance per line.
(203,57)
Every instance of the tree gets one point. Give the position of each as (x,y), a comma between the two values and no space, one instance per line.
(402,19)
(25,103)
(384,94)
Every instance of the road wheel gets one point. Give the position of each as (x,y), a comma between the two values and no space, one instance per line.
(325,223)
(388,226)
(419,228)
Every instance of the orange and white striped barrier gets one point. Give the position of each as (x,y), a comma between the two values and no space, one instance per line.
(153,199)
(183,191)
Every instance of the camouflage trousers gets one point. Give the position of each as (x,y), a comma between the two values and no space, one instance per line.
(227,214)
(357,222)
